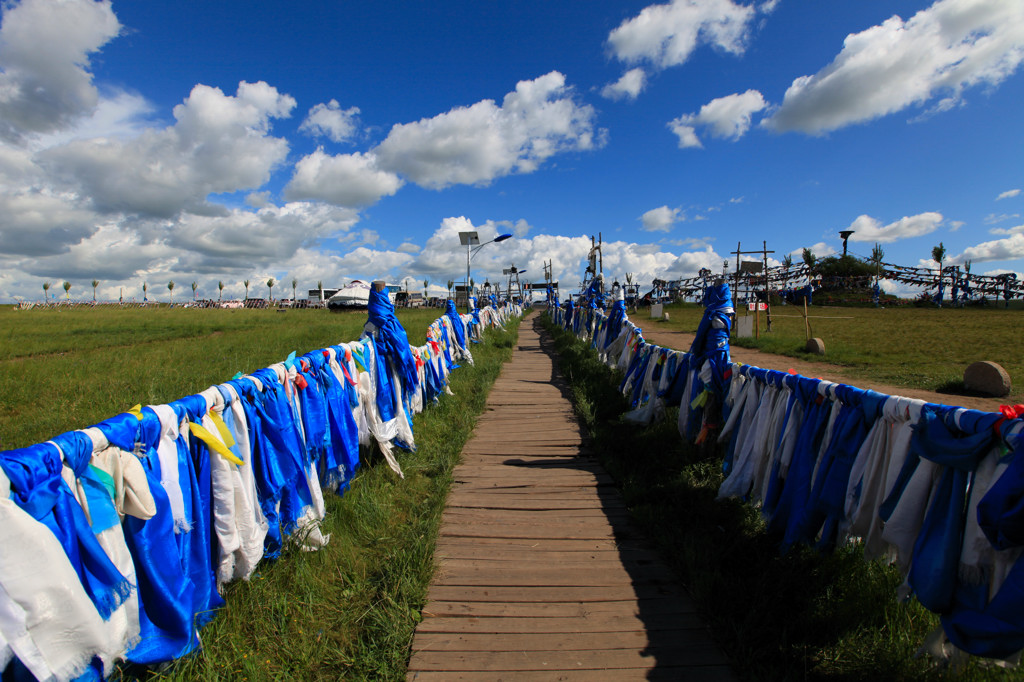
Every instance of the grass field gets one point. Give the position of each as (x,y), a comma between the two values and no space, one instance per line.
(68,369)
(346,611)
(926,348)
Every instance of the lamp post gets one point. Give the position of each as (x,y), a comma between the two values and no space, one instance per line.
(471,240)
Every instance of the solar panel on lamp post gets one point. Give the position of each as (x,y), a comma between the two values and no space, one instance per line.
(471,239)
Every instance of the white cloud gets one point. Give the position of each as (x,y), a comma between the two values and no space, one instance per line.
(660,219)
(1008,194)
(45,47)
(992,218)
(219,143)
(338,124)
(666,35)
(1010,248)
(629,86)
(736,200)
(1019,229)
(408,247)
(938,53)
(37,223)
(476,144)
(353,180)
(725,117)
(247,238)
(868,229)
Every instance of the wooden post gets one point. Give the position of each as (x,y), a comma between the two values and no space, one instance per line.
(378,285)
(807,324)
(757,319)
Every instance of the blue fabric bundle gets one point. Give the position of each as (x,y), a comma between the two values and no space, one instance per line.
(37,487)
(391,339)
(457,324)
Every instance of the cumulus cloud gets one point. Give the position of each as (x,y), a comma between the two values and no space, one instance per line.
(666,35)
(935,55)
(868,229)
(1008,194)
(345,180)
(628,87)
(408,247)
(1010,248)
(725,117)
(474,145)
(1019,229)
(219,143)
(251,238)
(661,219)
(330,120)
(38,223)
(45,46)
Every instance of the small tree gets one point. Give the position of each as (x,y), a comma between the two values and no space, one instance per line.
(46,291)
(246,283)
(295,283)
(877,254)
(426,287)
(270,287)
(939,255)
(220,290)
(450,285)
(194,287)
(320,286)
(809,259)
(170,288)
(787,261)
(95,283)
(67,288)
(145,287)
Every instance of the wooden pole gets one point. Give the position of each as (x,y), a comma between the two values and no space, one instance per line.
(378,285)
(807,324)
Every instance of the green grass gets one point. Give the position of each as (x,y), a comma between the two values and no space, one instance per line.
(797,616)
(926,348)
(69,369)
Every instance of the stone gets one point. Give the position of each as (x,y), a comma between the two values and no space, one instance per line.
(816,346)
(666,317)
(987,378)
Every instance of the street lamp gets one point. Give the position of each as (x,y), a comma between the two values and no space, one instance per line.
(471,240)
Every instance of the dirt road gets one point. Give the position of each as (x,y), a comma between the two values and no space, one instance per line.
(823,370)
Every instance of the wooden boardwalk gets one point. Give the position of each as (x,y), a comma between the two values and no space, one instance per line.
(539,576)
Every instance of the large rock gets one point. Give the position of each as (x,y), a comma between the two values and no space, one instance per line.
(816,346)
(987,378)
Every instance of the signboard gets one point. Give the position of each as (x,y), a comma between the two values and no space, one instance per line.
(757,306)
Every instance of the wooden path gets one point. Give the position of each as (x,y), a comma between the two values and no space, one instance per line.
(539,576)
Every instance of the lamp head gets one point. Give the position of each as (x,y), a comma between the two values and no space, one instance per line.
(503,237)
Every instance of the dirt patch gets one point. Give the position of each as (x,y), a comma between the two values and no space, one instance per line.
(824,370)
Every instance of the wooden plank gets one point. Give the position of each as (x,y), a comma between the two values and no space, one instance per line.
(546,641)
(555,609)
(593,574)
(717,673)
(521,593)
(696,654)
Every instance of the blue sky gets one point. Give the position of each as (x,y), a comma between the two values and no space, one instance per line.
(150,141)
